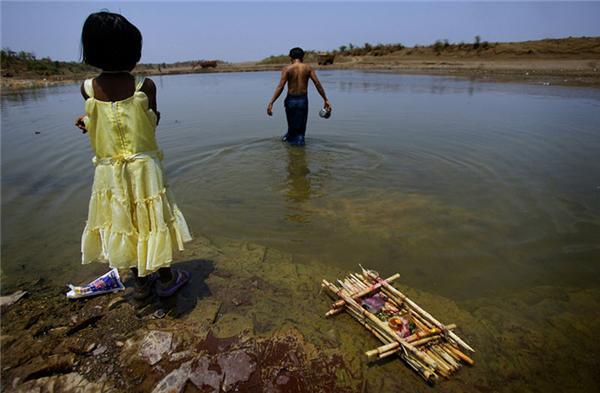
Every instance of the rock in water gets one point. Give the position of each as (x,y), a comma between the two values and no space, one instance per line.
(203,377)
(11,299)
(155,345)
(175,381)
(237,366)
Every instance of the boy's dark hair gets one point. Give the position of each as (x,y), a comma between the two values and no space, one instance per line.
(297,53)
(110,42)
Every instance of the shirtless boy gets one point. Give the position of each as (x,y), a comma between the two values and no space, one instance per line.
(296,76)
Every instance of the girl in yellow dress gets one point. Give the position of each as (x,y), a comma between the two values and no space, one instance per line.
(133,221)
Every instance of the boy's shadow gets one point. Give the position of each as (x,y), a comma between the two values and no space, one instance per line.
(185,299)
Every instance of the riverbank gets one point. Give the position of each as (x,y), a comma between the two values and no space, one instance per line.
(566,62)
(251,320)
(580,73)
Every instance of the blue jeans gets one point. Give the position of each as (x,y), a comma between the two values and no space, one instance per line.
(296,111)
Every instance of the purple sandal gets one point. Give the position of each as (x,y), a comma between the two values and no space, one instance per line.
(180,278)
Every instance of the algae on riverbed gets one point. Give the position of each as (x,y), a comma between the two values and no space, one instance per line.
(255,305)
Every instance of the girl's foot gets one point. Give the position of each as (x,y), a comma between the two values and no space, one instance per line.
(180,278)
(143,286)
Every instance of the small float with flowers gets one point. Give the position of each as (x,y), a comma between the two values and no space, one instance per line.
(405,329)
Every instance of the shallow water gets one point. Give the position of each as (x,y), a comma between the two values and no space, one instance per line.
(467,189)
(474,192)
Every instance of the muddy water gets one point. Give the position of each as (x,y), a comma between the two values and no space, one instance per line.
(483,196)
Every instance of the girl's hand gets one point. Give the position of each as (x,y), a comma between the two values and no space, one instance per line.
(79,123)
(270,109)
(327,105)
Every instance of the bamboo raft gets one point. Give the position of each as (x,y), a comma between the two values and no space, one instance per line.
(429,347)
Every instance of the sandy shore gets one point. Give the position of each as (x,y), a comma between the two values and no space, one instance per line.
(545,72)
(567,72)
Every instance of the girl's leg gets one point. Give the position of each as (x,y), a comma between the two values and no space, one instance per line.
(165,274)
(143,285)
(138,280)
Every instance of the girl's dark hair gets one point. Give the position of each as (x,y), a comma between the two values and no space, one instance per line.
(110,42)
(296,53)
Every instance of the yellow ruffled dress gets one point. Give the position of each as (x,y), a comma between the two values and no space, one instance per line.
(133,220)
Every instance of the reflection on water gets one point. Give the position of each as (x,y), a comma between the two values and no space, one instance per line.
(298,180)
(299,183)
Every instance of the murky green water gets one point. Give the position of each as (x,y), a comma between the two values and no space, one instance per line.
(483,195)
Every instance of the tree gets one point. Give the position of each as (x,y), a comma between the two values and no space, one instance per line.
(477,42)
(343,48)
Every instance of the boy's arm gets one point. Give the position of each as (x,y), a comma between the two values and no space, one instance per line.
(320,89)
(278,90)
(150,89)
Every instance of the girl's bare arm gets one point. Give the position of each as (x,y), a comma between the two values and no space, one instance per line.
(149,88)
(79,121)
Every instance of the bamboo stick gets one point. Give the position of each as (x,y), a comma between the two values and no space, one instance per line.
(371,288)
(348,291)
(416,341)
(427,333)
(355,277)
(420,325)
(426,340)
(394,345)
(429,375)
(449,352)
(449,359)
(443,368)
(426,373)
(334,311)
(424,313)
(436,355)
(356,311)
(420,335)
(407,346)
(460,355)
(382,349)
(383,336)
(358,282)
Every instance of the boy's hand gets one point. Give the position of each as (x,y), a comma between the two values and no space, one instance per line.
(80,124)
(270,109)
(327,105)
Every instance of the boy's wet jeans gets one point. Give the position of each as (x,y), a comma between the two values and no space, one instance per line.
(296,111)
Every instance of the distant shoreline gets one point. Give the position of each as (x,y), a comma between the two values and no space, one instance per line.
(577,73)
(573,61)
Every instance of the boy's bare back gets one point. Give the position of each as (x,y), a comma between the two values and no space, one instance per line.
(297,75)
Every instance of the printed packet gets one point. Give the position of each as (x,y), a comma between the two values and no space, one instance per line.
(107,283)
